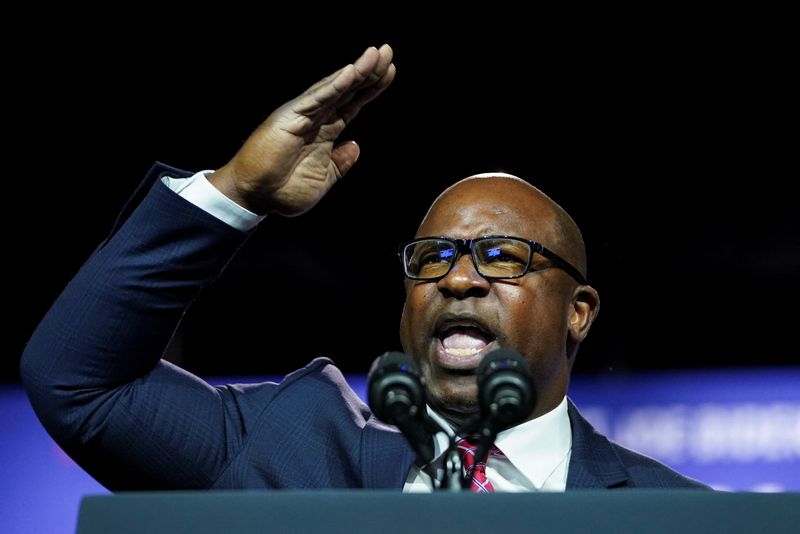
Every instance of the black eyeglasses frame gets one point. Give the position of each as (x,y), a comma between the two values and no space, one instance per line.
(464,246)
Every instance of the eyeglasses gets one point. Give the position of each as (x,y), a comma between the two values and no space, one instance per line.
(494,257)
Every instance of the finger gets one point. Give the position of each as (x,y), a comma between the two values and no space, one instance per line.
(351,109)
(381,68)
(326,80)
(384,61)
(366,63)
(366,77)
(349,104)
(324,92)
(369,59)
(344,157)
(387,54)
(332,87)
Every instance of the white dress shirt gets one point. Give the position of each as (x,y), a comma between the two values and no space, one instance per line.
(535,454)
(199,191)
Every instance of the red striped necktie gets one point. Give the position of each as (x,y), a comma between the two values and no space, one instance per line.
(476,470)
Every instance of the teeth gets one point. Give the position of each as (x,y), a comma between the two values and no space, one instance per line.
(462,352)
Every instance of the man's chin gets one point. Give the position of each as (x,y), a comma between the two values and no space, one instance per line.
(456,411)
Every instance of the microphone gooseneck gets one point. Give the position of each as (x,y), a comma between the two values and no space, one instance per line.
(506,397)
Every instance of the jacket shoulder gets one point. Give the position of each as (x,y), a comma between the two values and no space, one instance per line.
(649,472)
(598,462)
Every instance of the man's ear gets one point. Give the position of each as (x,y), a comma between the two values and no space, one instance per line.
(585,307)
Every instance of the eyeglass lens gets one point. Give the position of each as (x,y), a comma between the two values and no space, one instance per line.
(500,257)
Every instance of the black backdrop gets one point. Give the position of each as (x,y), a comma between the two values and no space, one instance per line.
(668,141)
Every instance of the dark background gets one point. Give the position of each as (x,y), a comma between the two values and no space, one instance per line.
(667,138)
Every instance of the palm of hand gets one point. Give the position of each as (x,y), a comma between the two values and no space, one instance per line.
(290,162)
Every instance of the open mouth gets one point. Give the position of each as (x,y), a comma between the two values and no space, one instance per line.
(462,343)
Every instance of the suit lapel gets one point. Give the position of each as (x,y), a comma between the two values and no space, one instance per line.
(386,456)
(594,463)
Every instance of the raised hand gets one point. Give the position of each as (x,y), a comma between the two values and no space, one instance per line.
(291,160)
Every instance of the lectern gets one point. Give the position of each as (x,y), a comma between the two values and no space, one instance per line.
(386,512)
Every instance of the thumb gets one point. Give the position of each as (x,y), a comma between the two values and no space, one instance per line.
(344,156)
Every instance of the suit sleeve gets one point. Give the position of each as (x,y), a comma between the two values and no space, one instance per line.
(93,368)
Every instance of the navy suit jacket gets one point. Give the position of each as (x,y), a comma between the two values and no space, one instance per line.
(95,378)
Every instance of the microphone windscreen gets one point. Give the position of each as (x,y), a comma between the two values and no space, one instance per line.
(394,372)
(391,361)
(506,393)
(396,396)
(502,358)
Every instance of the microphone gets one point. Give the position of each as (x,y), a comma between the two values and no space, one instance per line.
(396,396)
(506,393)
(506,396)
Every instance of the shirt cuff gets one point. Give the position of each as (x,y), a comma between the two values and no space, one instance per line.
(199,191)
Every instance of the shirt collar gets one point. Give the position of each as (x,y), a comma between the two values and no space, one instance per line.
(535,447)
(538,446)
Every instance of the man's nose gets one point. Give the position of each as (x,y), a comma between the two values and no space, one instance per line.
(463,280)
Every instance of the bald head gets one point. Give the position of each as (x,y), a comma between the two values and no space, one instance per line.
(504,196)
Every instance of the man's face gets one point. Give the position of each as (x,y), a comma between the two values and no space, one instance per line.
(449,325)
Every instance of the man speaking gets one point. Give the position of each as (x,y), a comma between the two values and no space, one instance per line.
(495,264)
